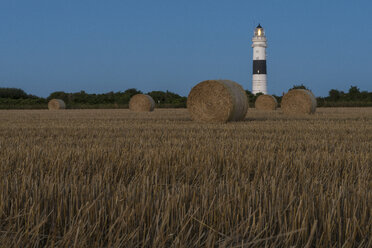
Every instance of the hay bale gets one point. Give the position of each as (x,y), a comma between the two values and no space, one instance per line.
(266,102)
(141,103)
(56,104)
(217,101)
(299,101)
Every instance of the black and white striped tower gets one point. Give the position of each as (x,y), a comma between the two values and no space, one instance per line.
(259,79)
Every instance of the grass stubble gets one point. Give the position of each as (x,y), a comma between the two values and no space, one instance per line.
(114,178)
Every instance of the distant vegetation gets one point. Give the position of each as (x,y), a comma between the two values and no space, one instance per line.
(117,99)
(13,98)
(353,98)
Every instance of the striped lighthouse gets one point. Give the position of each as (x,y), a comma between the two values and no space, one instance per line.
(259,79)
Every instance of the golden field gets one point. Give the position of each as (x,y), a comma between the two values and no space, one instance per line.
(114,178)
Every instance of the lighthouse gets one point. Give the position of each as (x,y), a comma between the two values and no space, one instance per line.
(259,79)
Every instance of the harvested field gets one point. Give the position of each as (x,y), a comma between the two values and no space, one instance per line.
(114,178)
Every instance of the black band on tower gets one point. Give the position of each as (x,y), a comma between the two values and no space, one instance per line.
(259,66)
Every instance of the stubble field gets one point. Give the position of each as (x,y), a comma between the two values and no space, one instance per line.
(114,178)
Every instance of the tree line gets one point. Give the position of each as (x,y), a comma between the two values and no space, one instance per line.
(14,98)
(353,98)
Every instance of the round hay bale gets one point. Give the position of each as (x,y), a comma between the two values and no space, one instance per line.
(266,102)
(56,104)
(141,103)
(217,101)
(299,101)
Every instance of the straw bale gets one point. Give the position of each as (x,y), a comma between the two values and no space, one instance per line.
(217,101)
(141,103)
(266,102)
(299,101)
(56,104)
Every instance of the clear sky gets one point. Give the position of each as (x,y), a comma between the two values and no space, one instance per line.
(102,46)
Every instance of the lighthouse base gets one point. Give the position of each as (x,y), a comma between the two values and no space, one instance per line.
(259,84)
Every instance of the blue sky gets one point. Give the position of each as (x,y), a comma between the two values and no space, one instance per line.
(102,46)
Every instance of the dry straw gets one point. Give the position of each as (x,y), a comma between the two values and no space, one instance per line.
(217,101)
(56,104)
(141,103)
(299,101)
(266,102)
